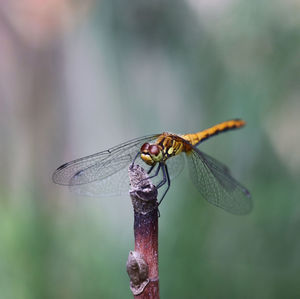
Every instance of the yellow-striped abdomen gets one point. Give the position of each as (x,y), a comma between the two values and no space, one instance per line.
(196,138)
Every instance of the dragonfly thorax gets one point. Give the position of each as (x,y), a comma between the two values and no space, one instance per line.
(151,153)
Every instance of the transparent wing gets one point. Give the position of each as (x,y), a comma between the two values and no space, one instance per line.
(114,185)
(101,165)
(118,183)
(217,186)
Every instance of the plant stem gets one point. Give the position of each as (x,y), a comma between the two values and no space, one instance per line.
(142,264)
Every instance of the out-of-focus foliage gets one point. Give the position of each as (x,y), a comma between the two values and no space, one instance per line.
(78,77)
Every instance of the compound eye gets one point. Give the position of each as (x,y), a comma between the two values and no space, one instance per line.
(145,147)
(154,150)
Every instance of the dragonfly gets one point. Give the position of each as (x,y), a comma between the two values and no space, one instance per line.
(105,173)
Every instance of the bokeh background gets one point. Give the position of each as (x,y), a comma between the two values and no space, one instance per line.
(78,77)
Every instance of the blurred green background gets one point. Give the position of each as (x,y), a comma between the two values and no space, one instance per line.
(78,77)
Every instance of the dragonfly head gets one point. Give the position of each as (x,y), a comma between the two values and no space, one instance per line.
(151,153)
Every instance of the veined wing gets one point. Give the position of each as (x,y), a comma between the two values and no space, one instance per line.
(216,184)
(118,183)
(113,185)
(101,165)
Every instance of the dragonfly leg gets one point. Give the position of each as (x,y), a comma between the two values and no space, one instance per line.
(138,153)
(150,169)
(156,172)
(152,176)
(165,179)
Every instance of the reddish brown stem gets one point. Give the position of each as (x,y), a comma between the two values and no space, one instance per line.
(142,264)
(146,243)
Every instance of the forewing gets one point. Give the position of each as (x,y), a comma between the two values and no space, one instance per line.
(101,165)
(113,185)
(216,184)
(116,184)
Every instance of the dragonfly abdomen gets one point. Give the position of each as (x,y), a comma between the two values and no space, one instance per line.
(196,138)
